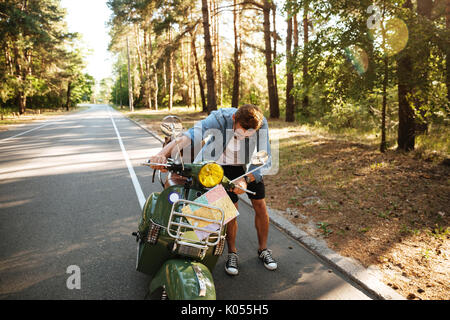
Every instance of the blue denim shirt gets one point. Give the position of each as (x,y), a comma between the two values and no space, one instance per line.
(220,124)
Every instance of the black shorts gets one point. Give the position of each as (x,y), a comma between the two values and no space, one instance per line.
(232,172)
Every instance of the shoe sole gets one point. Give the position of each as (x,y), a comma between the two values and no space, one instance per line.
(270,268)
(231,273)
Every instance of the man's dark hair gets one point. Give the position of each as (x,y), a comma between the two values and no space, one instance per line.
(249,116)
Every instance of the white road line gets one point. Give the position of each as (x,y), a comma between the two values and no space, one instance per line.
(22,133)
(134,179)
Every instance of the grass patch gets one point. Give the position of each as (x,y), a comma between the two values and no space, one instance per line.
(370,197)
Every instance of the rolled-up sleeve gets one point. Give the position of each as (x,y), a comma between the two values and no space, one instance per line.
(263,144)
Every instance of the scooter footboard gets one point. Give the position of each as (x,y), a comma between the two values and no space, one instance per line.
(184,280)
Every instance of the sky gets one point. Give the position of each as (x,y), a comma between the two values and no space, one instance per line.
(89,17)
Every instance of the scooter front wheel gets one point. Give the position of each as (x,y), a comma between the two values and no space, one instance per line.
(158,294)
(184,280)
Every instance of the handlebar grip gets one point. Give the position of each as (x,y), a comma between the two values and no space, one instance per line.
(230,186)
(246,190)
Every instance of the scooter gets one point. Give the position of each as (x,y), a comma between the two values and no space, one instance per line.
(180,265)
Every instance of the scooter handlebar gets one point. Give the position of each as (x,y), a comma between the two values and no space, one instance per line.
(246,190)
(149,164)
(171,165)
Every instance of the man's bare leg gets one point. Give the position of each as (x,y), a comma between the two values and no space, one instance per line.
(231,267)
(262,229)
(261,225)
(261,222)
(232,228)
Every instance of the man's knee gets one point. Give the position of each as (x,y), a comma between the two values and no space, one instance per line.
(232,222)
(259,205)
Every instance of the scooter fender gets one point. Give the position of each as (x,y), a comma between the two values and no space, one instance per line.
(184,280)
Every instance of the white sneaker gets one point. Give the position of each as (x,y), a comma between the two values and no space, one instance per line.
(269,262)
(231,266)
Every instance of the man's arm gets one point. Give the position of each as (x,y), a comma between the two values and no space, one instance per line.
(193,135)
(166,152)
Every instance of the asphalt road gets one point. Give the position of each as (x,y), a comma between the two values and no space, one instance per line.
(70,194)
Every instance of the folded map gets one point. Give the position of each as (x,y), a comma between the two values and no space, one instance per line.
(216,197)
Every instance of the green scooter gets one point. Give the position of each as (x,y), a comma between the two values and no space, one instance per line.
(179,265)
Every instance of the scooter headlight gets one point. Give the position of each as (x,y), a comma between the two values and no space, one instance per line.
(210,175)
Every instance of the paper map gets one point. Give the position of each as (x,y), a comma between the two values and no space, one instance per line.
(216,197)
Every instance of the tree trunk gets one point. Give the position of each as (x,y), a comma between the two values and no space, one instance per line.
(447,58)
(212,29)
(210,82)
(164,63)
(295,52)
(290,115)
(273,102)
(8,59)
(155,71)
(274,57)
(148,93)
(194,92)
(406,126)
(383,144)
(69,91)
(236,57)
(171,80)
(183,71)
(156,90)
(130,86)
(305,102)
(170,71)
(22,102)
(120,86)
(424,8)
(21,78)
(19,60)
(191,73)
(219,61)
(199,75)
(188,75)
(142,73)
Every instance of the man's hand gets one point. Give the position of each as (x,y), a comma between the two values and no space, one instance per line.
(158,159)
(241,183)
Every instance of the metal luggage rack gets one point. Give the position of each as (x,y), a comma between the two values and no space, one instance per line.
(176,230)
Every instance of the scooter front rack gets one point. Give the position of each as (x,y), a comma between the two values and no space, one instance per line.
(177,229)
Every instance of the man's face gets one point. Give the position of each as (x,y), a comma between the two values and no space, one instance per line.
(240,133)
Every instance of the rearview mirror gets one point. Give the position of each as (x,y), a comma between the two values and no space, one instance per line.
(260,158)
(171,126)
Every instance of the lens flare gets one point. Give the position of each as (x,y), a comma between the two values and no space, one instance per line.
(396,36)
(358,58)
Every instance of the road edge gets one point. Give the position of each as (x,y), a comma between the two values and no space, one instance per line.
(154,135)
